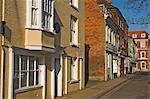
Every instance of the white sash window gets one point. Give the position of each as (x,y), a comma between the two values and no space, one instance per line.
(74,68)
(26,71)
(40,14)
(74,31)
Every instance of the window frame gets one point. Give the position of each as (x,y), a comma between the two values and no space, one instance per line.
(74,3)
(74,33)
(40,17)
(142,67)
(142,44)
(143,53)
(143,35)
(74,69)
(18,73)
(134,35)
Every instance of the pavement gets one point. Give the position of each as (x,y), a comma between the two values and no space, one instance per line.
(96,89)
(136,88)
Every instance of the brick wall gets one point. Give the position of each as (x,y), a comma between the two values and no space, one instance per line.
(95,37)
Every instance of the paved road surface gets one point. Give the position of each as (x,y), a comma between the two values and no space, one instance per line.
(136,88)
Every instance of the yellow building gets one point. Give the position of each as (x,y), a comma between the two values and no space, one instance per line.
(42,48)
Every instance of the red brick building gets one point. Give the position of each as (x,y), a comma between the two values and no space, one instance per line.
(141,38)
(104,26)
(149,55)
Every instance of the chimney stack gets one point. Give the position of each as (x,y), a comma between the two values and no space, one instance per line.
(109,1)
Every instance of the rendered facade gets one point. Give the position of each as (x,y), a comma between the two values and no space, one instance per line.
(132,55)
(42,48)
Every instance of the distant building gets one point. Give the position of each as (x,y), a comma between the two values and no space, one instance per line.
(149,55)
(141,39)
(132,55)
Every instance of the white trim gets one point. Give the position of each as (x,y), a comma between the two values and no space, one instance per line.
(40,28)
(39,47)
(140,39)
(39,17)
(52,17)
(81,66)
(43,77)
(11,72)
(53,78)
(28,14)
(2,75)
(19,71)
(35,64)
(75,3)
(27,71)
(59,91)
(66,75)
(25,89)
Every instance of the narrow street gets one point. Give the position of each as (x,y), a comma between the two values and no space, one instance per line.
(136,88)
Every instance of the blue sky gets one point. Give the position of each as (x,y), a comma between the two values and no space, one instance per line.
(135,14)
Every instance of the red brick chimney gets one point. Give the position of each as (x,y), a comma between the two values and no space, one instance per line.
(109,1)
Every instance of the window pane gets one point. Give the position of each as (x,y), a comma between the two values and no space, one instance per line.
(34,16)
(31,69)
(46,13)
(16,72)
(24,70)
(23,79)
(31,78)
(24,63)
(37,77)
(31,61)
(37,71)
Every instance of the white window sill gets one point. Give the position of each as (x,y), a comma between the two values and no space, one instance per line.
(42,29)
(24,89)
(73,81)
(74,45)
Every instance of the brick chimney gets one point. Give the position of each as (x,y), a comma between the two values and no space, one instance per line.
(109,1)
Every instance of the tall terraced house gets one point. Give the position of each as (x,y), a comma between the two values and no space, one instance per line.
(106,40)
(41,48)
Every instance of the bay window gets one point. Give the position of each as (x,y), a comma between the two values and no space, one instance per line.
(40,14)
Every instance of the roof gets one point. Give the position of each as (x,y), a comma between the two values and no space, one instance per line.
(137,32)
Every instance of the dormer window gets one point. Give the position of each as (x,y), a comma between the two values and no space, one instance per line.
(134,35)
(143,35)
